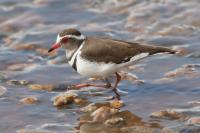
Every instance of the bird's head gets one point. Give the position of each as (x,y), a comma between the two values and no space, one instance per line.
(68,39)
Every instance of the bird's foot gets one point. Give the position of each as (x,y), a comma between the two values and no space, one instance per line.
(82,85)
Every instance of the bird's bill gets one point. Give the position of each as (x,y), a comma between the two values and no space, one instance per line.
(54,46)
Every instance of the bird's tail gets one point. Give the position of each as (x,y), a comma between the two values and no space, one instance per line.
(160,49)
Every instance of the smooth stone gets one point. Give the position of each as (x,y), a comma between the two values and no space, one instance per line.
(33,131)
(3,90)
(18,82)
(7,40)
(103,113)
(80,101)
(167,114)
(138,129)
(20,66)
(41,87)
(98,128)
(40,2)
(10,28)
(164,80)
(118,121)
(2,76)
(49,87)
(130,118)
(188,70)
(116,104)
(65,98)
(182,129)
(132,78)
(194,103)
(93,106)
(25,47)
(29,100)
(36,47)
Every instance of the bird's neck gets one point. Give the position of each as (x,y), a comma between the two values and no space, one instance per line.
(71,54)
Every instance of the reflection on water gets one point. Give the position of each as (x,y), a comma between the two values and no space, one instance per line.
(29,27)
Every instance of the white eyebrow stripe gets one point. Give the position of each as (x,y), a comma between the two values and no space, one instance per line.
(73,36)
(58,39)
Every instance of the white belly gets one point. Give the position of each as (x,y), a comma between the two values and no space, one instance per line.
(92,69)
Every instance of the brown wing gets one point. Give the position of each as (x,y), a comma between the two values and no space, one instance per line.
(108,50)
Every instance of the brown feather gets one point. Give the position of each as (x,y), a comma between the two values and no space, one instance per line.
(116,51)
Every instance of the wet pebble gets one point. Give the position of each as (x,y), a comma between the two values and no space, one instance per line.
(33,131)
(42,87)
(2,90)
(18,82)
(25,47)
(112,104)
(7,40)
(194,103)
(49,87)
(36,47)
(182,129)
(103,113)
(138,129)
(104,119)
(80,101)
(168,114)
(188,70)
(20,66)
(29,100)
(97,128)
(40,2)
(93,106)
(115,121)
(131,77)
(67,98)
(10,28)
(116,104)
(163,80)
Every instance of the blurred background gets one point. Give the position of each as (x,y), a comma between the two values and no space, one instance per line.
(29,27)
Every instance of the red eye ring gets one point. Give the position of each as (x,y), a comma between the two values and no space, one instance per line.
(64,40)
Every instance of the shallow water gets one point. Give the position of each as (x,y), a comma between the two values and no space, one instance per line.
(29,27)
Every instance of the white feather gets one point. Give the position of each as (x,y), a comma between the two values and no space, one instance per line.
(81,37)
(101,69)
(71,62)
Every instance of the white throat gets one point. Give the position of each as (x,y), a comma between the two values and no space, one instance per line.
(68,54)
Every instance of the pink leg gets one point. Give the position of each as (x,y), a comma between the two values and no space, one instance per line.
(116,84)
(82,85)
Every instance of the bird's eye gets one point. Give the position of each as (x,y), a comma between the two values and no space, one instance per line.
(64,40)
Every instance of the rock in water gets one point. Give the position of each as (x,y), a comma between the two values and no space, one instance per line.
(103,113)
(29,100)
(18,82)
(182,129)
(2,90)
(33,131)
(138,129)
(168,114)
